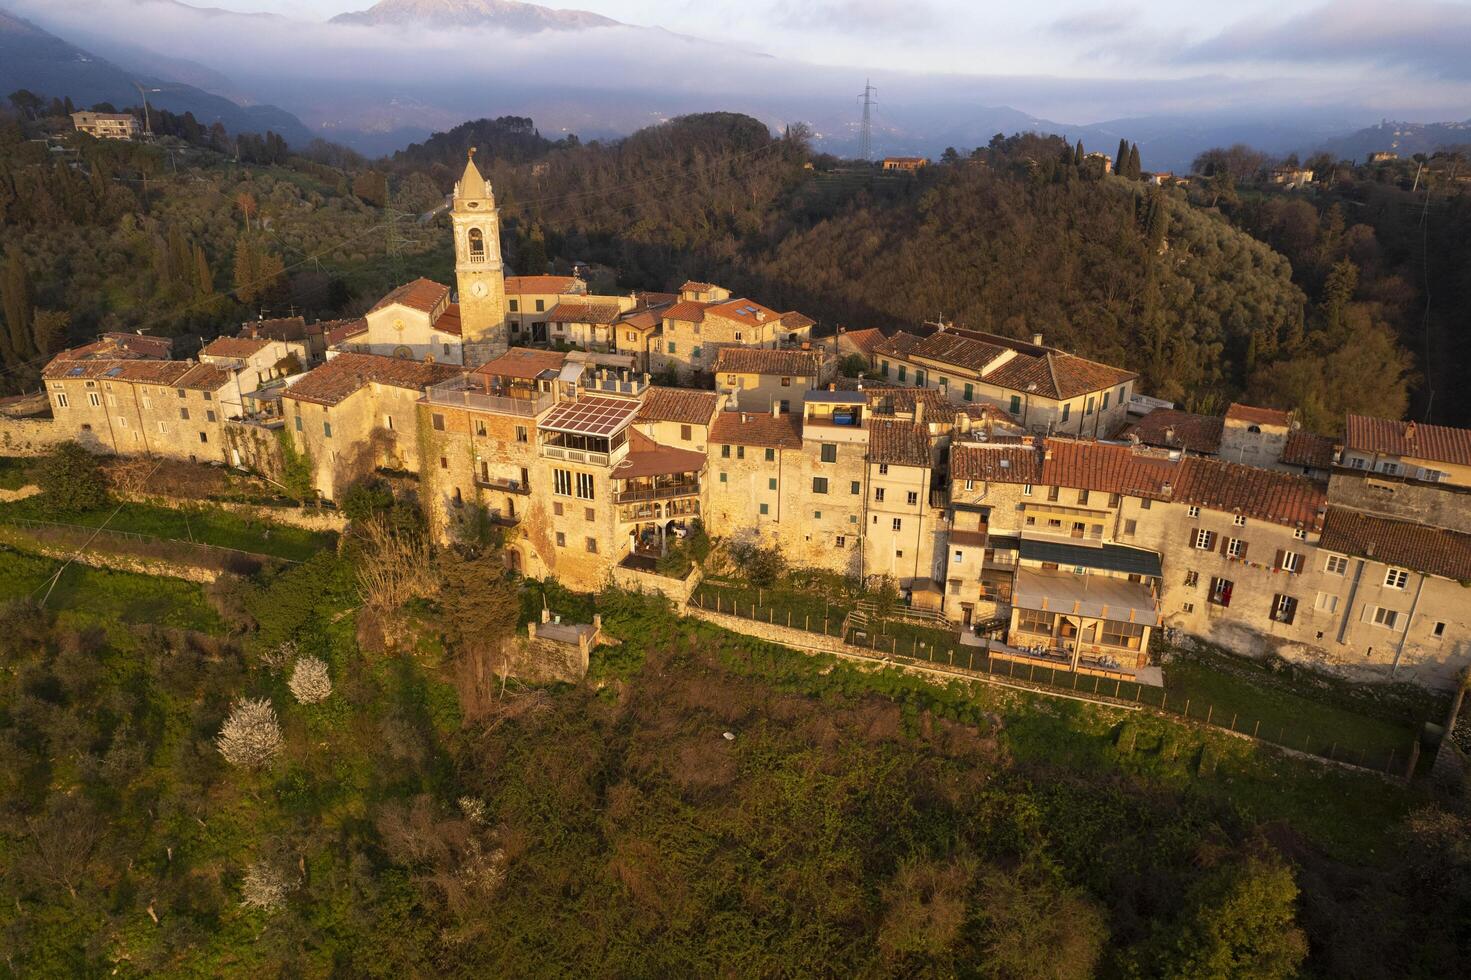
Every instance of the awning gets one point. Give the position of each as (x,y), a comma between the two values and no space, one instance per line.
(1110,558)
(1089,596)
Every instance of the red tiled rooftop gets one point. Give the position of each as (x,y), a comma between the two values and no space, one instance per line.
(1175,429)
(421,294)
(1308,449)
(898,442)
(523,362)
(345,374)
(757,429)
(1253,415)
(743,310)
(863,340)
(234,347)
(338,331)
(449,321)
(582,311)
(684,405)
(764,360)
(1433,550)
(549,285)
(1416,440)
(688,310)
(995,463)
(648,458)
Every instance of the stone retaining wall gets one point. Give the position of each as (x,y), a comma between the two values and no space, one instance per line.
(308,518)
(29,437)
(124,563)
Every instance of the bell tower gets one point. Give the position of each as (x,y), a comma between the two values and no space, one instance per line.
(478,274)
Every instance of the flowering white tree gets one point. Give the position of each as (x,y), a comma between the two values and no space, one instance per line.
(310,681)
(251,737)
(265,887)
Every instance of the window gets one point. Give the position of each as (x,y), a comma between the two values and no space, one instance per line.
(740,452)
(388,423)
(1205,540)
(970,391)
(1221,589)
(561,540)
(1284,609)
(1300,534)
(1122,389)
(898,524)
(902,372)
(970,484)
(1188,607)
(884,368)
(687,433)
(1145,503)
(562,482)
(298,423)
(521,434)
(1130,526)
(181,392)
(883,469)
(1289,561)
(326,429)
(786,382)
(1239,520)
(514,305)
(1390,468)
(723,477)
(437,421)
(557,508)
(446,350)
(817,515)
(584,486)
(204,437)
(1439,630)
(912,497)
(184,414)
(1052,493)
(1396,578)
(1105,400)
(1067,411)
(1026,489)
(95,399)
(695,354)
(444,462)
(771,455)
(479,426)
(1235,548)
(1336,565)
(854,488)
(1384,617)
(878,494)
(1114,500)
(1035,621)
(959,557)
(1192,579)
(1126,635)
(725,452)
(1082,496)
(671,347)
(592,546)
(541,306)
(764,509)
(840,541)
(819,484)
(1016,404)
(1326,602)
(588,514)
(209,415)
(1194,513)
(61,399)
(829,452)
(1088,409)
(771,484)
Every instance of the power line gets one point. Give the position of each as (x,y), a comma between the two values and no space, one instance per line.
(865,135)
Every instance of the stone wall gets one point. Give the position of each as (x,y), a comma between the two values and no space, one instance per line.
(1438,504)
(677,590)
(30,437)
(117,562)
(308,518)
(539,661)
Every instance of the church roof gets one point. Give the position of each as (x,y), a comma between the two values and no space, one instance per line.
(471,184)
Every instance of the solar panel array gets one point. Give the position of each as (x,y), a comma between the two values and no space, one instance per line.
(591,416)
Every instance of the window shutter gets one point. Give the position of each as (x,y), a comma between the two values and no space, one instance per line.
(1242,552)
(1224,541)
(1280,556)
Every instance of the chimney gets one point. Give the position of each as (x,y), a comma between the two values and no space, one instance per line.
(1410,431)
(918,411)
(776,408)
(744,418)
(1036,340)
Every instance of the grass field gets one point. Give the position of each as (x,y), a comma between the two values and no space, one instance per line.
(201,524)
(14,472)
(104,597)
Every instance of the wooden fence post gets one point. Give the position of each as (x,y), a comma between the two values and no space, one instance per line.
(1118,684)
(1208,712)
(1097,679)
(1256,728)
(1187,707)
(1164,700)
(1233,721)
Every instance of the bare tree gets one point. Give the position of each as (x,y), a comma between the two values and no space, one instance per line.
(395,565)
(266,887)
(310,681)
(251,737)
(62,838)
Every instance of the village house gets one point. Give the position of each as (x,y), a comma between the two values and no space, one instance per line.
(106,125)
(692,331)
(307,340)
(1432,453)
(1256,436)
(757,378)
(530,298)
(1049,391)
(905,164)
(253,364)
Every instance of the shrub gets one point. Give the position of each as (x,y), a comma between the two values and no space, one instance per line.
(310,681)
(251,736)
(71,480)
(265,887)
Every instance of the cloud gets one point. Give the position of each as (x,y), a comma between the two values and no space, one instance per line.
(1095,23)
(877,17)
(1424,39)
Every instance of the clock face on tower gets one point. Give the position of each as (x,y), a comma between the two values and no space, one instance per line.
(479,289)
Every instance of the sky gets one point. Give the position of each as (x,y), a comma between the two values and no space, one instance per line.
(1416,51)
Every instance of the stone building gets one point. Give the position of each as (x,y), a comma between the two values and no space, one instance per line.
(1432,453)
(1049,391)
(254,364)
(106,125)
(757,378)
(530,298)
(1255,436)
(705,319)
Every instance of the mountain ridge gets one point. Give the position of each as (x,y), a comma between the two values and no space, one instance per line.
(512,15)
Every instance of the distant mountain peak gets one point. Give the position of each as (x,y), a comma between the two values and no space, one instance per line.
(511,15)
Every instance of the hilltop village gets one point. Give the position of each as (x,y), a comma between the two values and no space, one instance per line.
(1017,490)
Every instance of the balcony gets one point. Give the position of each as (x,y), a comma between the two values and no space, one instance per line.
(503,484)
(570,455)
(467,393)
(683,488)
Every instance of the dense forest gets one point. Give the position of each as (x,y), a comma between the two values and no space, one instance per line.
(1349,299)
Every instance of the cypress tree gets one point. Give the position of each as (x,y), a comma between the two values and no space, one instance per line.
(1078,154)
(247,269)
(15,293)
(1121,159)
(1134,170)
(204,279)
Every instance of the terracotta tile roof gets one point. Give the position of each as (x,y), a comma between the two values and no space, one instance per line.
(949,347)
(642,321)
(899,345)
(1432,550)
(1308,449)
(763,360)
(204,377)
(421,294)
(582,311)
(901,401)
(142,370)
(690,286)
(898,442)
(1252,415)
(648,458)
(523,362)
(995,463)
(1043,371)
(105,349)
(757,429)
(143,344)
(864,341)
(743,311)
(282,328)
(648,300)
(1417,440)
(339,330)
(1174,429)
(793,320)
(449,321)
(345,374)
(234,347)
(688,310)
(684,405)
(550,285)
